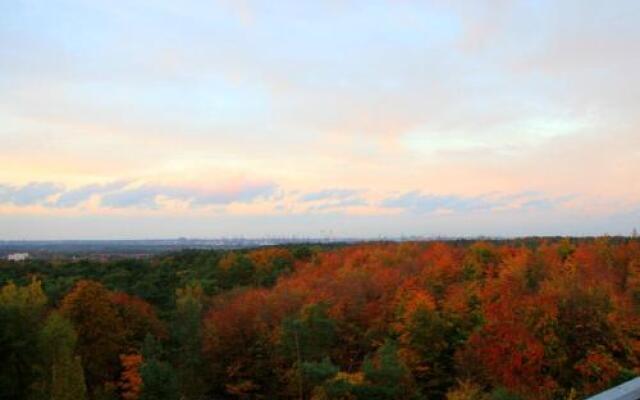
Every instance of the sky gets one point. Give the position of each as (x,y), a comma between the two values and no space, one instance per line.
(160,119)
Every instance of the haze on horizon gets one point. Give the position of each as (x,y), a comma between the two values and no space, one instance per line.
(358,118)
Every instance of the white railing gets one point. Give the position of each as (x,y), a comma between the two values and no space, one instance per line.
(627,391)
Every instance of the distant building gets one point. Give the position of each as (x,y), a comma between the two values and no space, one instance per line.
(18,256)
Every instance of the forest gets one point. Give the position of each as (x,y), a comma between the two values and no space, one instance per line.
(533,319)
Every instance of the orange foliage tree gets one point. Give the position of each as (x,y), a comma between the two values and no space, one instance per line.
(130,382)
(100,329)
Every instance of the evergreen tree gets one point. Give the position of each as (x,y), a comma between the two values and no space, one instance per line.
(187,334)
(306,340)
(309,337)
(21,310)
(159,380)
(315,373)
(387,377)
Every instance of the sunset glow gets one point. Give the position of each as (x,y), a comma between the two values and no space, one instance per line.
(222,118)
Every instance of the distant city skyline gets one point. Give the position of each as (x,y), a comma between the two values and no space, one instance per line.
(205,119)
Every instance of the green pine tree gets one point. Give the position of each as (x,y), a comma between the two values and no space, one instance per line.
(187,335)
(159,380)
(387,377)
(310,336)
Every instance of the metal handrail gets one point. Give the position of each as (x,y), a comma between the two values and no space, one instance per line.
(629,390)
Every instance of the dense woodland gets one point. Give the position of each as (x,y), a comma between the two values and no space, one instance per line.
(531,319)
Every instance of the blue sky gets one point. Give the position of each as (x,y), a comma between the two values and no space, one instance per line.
(222,118)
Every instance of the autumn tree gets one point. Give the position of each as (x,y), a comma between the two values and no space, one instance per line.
(505,354)
(101,334)
(237,346)
(270,263)
(67,379)
(428,342)
(585,333)
(467,390)
(236,270)
(130,383)
(138,318)
(64,368)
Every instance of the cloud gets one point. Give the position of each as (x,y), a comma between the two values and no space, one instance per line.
(342,203)
(72,198)
(120,194)
(29,194)
(419,203)
(329,194)
(142,197)
(243,194)
(146,196)
(333,199)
